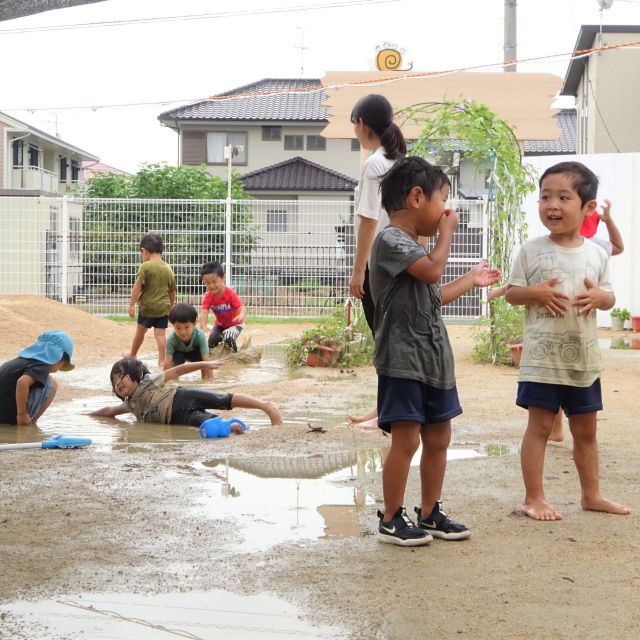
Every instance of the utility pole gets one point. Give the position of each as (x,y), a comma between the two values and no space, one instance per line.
(510,34)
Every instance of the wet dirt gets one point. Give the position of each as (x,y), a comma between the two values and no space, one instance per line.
(153,516)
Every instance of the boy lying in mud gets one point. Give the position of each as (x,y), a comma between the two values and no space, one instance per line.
(144,394)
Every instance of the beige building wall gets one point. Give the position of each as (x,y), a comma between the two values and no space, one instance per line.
(609,122)
(262,153)
(2,158)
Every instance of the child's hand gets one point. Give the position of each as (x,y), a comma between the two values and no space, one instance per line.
(605,216)
(213,364)
(132,310)
(593,298)
(483,275)
(449,221)
(550,298)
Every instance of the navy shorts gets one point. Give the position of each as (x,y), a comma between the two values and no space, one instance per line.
(404,400)
(573,400)
(159,323)
(180,357)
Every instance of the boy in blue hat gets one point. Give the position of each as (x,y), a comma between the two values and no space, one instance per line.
(26,386)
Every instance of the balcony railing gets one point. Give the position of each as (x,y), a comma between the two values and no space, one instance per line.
(34,178)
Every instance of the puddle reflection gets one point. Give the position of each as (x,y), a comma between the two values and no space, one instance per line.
(200,614)
(623,343)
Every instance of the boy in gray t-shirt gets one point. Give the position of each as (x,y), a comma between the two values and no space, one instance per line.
(417,396)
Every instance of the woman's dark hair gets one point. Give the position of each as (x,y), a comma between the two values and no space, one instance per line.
(183,312)
(406,174)
(212,267)
(376,112)
(131,367)
(583,180)
(152,242)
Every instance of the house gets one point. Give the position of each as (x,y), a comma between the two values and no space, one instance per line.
(89,168)
(33,162)
(603,85)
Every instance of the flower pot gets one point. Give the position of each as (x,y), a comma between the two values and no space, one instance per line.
(617,323)
(516,353)
(635,343)
(324,357)
(635,324)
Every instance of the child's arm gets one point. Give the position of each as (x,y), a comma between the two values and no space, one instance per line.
(430,268)
(110,412)
(168,362)
(241,315)
(135,295)
(497,292)
(615,237)
(204,317)
(175,372)
(480,276)
(544,294)
(364,241)
(593,298)
(172,297)
(22,395)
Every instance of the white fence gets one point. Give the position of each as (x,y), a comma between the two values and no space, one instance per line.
(288,258)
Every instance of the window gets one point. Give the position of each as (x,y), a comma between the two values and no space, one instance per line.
(355,144)
(75,171)
(63,169)
(277,221)
(33,156)
(271,133)
(218,140)
(293,143)
(18,150)
(316,143)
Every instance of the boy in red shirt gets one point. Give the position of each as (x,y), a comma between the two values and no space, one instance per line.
(224,303)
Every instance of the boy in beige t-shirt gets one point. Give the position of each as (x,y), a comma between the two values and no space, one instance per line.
(562,279)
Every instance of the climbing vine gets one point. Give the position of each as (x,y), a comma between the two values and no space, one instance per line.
(486,140)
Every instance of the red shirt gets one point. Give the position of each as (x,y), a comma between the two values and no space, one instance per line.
(225,307)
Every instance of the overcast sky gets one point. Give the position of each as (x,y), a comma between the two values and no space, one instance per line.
(186,60)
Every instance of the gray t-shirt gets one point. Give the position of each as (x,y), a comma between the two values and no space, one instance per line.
(411,339)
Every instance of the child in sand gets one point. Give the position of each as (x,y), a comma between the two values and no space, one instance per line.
(562,280)
(145,395)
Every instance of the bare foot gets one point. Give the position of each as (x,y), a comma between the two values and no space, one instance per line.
(372,413)
(607,506)
(540,510)
(366,425)
(273,412)
(127,354)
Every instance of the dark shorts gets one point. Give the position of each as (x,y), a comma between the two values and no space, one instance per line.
(159,323)
(404,400)
(180,357)
(190,405)
(215,337)
(573,400)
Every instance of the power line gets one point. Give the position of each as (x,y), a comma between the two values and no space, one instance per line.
(198,16)
(606,128)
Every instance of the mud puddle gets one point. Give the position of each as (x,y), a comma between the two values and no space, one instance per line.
(214,615)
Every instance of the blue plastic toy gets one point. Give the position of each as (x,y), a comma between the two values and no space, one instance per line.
(55,442)
(219,427)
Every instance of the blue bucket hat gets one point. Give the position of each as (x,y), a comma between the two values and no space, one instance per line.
(51,347)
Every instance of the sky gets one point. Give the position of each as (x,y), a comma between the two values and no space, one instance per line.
(70,80)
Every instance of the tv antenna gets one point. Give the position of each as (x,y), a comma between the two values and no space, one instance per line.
(302,49)
(603,4)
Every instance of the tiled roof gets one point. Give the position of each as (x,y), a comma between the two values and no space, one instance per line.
(566,143)
(270,99)
(297,174)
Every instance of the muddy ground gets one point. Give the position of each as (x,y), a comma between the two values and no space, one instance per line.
(119,520)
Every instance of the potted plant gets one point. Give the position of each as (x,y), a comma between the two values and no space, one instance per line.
(618,318)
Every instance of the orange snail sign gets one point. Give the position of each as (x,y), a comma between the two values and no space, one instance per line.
(389,58)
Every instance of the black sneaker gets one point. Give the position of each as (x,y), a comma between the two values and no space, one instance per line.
(440,525)
(401,531)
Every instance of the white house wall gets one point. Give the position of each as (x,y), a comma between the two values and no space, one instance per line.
(619,175)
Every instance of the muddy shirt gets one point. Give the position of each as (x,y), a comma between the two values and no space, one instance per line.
(152,401)
(157,280)
(198,342)
(10,372)
(560,350)
(411,339)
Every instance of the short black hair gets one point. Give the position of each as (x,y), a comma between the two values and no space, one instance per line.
(183,312)
(406,174)
(131,367)
(583,180)
(212,267)
(152,242)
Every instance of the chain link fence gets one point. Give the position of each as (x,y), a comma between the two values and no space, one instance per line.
(285,258)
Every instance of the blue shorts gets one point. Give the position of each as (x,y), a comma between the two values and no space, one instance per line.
(405,400)
(573,400)
(159,323)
